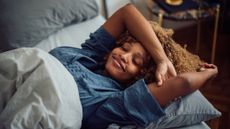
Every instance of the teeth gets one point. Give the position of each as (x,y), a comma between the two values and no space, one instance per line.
(119,65)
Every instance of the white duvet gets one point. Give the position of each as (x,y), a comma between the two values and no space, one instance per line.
(37,92)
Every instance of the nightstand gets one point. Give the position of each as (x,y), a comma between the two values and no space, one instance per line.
(204,11)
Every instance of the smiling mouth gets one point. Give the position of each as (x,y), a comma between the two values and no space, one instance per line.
(118,63)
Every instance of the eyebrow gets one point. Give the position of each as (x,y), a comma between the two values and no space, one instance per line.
(138,53)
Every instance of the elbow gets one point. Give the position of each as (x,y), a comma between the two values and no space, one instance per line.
(128,8)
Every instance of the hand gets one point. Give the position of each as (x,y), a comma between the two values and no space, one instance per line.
(165,70)
(210,68)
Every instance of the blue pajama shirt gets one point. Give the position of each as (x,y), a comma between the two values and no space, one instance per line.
(104,100)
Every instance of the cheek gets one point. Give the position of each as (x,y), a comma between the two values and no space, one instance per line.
(133,70)
(108,63)
(110,68)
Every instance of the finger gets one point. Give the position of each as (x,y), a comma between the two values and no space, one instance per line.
(163,78)
(167,76)
(159,80)
(209,65)
(172,72)
(206,65)
(202,65)
(159,83)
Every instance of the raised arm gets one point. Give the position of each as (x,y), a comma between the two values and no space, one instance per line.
(182,84)
(129,18)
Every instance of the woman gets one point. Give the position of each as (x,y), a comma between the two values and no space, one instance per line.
(103,71)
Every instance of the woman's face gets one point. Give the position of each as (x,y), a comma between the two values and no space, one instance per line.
(126,62)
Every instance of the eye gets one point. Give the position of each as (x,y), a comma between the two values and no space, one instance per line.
(138,62)
(125,47)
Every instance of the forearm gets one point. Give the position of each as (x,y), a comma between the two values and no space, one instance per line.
(196,79)
(129,18)
(140,28)
(178,86)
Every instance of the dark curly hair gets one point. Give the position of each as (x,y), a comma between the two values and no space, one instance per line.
(182,59)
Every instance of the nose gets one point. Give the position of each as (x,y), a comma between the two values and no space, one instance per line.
(125,57)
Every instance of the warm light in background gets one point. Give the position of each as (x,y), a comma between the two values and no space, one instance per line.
(174,2)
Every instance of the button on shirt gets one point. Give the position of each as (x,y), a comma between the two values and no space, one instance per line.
(104,100)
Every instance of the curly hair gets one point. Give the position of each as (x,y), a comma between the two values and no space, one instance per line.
(183,60)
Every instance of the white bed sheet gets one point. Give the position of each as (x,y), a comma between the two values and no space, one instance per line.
(202,125)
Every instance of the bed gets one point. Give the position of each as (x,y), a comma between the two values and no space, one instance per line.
(74,35)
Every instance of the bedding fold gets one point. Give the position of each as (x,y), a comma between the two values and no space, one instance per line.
(36,92)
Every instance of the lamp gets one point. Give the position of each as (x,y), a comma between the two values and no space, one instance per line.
(174,2)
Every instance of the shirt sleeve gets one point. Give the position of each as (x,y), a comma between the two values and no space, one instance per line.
(100,42)
(133,106)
